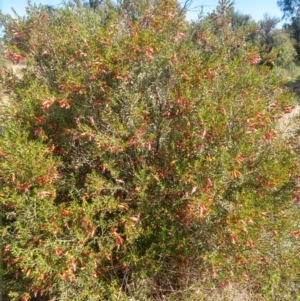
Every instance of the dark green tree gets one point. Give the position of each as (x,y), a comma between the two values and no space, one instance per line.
(289,7)
(239,19)
(266,29)
(293,27)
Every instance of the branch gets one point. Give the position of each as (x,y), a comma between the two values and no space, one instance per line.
(187,4)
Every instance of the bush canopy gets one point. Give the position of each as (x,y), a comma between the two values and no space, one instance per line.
(141,154)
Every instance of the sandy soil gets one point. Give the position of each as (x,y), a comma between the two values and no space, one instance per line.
(289,124)
(17,69)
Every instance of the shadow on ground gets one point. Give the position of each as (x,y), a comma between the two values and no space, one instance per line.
(294,86)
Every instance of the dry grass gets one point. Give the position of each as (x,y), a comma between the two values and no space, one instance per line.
(229,293)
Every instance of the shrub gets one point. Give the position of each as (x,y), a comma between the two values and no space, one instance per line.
(138,148)
(287,59)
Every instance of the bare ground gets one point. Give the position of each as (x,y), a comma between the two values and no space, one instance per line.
(17,69)
(290,123)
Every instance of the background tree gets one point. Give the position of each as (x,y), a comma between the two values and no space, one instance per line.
(293,27)
(239,19)
(286,58)
(266,29)
(289,7)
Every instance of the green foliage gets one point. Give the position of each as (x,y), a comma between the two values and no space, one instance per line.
(267,26)
(289,7)
(239,19)
(291,10)
(277,48)
(286,55)
(139,149)
(294,29)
